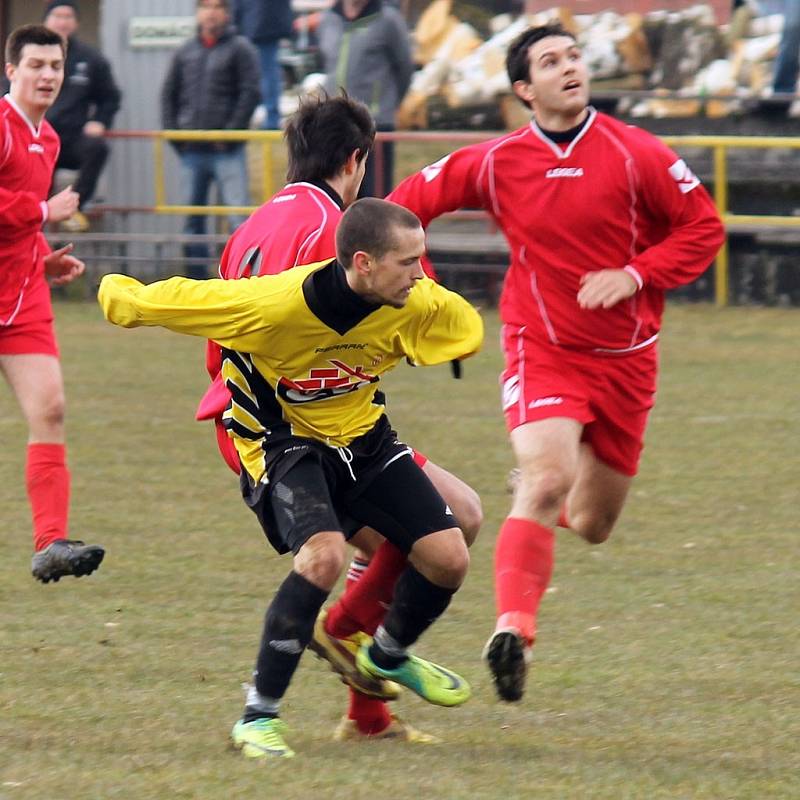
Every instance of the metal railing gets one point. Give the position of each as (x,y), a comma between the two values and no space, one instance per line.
(719,145)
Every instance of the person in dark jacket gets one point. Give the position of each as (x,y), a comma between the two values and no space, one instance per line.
(366,50)
(84,109)
(211,84)
(265,23)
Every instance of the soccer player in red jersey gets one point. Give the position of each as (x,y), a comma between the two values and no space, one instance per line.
(601,218)
(28,351)
(328,142)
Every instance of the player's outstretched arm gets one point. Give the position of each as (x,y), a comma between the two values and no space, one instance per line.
(233,313)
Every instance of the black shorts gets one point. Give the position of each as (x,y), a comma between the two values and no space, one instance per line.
(312,488)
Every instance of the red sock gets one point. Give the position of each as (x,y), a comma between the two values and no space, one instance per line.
(370,714)
(563,521)
(523,566)
(364,603)
(47,480)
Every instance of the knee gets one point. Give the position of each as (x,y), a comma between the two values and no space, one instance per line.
(594,528)
(321,563)
(451,567)
(544,490)
(470,517)
(48,418)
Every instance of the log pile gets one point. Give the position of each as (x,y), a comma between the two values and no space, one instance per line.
(686,56)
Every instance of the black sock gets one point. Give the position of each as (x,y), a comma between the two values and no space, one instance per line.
(288,627)
(417,604)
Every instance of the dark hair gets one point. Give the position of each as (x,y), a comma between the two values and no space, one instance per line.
(322,134)
(225,3)
(517,65)
(369,225)
(30,34)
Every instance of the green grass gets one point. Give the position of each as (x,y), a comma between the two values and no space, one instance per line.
(667,660)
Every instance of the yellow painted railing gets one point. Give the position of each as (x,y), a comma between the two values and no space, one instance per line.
(265,138)
(718,144)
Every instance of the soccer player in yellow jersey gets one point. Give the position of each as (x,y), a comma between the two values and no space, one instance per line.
(303,355)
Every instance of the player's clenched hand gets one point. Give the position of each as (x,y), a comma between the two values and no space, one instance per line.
(605,288)
(63,205)
(61,267)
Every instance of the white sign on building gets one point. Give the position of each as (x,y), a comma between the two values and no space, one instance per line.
(149,32)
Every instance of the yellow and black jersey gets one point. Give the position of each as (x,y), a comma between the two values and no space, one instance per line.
(303,354)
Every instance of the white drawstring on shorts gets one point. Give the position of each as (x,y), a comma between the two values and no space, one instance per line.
(347,456)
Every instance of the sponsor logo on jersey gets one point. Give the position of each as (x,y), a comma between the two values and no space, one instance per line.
(353,346)
(683,176)
(564,172)
(323,383)
(285,198)
(35,148)
(432,170)
(545,401)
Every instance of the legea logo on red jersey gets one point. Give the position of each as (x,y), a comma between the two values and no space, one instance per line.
(564,172)
(683,176)
(323,383)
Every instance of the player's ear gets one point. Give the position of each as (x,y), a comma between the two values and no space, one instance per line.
(524,91)
(9,70)
(351,165)
(362,262)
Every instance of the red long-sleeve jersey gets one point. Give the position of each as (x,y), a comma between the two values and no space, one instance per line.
(296,226)
(27,159)
(613,197)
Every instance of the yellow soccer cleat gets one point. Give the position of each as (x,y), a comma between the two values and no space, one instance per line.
(398,730)
(261,738)
(341,655)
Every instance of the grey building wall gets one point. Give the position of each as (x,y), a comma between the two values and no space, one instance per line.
(129,176)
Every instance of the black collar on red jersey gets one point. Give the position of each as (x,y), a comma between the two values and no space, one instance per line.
(330,191)
(332,301)
(560,137)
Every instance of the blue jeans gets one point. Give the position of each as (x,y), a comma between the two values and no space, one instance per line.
(787,63)
(200,168)
(271,84)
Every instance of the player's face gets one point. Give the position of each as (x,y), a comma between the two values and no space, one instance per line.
(558,82)
(36,80)
(212,17)
(62,20)
(392,277)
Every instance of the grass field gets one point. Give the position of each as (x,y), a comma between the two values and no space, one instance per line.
(667,663)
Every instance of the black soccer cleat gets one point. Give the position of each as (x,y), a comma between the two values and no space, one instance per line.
(66,557)
(508,656)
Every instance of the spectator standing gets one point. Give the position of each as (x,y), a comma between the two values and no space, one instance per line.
(265,23)
(84,109)
(787,64)
(212,84)
(366,51)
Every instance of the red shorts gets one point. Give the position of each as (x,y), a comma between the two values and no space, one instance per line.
(611,395)
(32,329)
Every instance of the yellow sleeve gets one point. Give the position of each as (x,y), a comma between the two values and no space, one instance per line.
(451,328)
(232,313)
